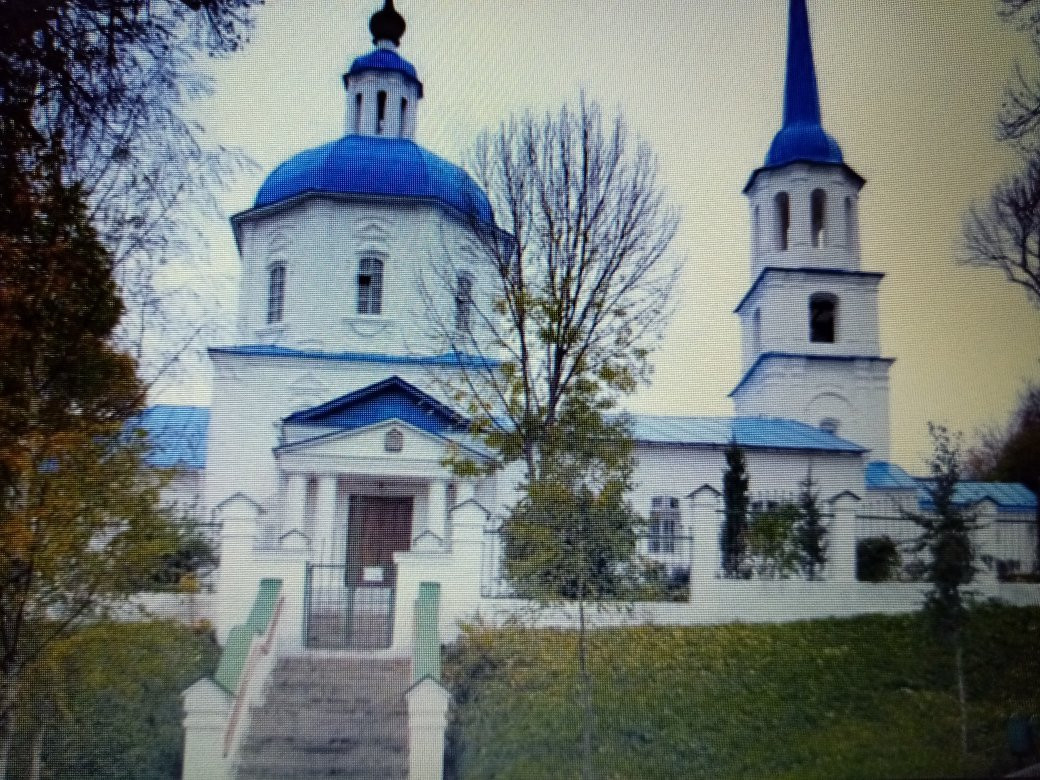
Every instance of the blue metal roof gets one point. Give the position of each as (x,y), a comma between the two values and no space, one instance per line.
(177,435)
(752,432)
(447,360)
(392,398)
(385,60)
(774,355)
(882,475)
(1008,496)
(376,166)
(804,270)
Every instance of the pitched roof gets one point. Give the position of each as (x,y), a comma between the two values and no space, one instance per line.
(751,432)
(177,435)
(1008,496)
(392,398)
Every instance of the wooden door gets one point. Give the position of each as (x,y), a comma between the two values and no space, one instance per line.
(378,527)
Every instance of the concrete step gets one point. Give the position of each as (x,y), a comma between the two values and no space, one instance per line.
(341,716)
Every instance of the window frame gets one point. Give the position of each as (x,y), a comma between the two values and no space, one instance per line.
(369,283)
(276,278)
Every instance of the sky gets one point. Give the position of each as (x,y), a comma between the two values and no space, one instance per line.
(910,91)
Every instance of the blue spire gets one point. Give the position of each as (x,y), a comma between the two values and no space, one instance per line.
(801,94)
(801,137)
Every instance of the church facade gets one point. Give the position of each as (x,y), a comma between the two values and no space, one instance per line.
(322,453)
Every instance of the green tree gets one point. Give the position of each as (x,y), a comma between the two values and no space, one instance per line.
(109,81)
(572,537)
(79,525)
(733,539)
(771,544)
(946,537)
(810,534)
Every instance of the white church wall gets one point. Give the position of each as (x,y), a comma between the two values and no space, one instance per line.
(677,471)
(811,390)
(321,240)
(783,303)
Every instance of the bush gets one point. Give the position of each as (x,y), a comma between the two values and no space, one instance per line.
(877,559)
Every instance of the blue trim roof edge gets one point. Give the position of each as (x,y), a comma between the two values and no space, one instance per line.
(804,270)
(769,355)
(446,360)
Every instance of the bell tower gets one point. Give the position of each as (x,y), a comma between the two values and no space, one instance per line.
(811,348)
(383,88)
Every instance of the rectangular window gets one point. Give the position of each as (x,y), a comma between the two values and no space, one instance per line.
(665,525)
(370,286)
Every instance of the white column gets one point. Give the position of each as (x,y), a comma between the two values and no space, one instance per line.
(427,720)
(841,539)
(324,516)
(206,710)
(706,524)
(297,496)
(437,509)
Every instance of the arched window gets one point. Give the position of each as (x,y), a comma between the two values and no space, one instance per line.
(370,286)
(756,331)
(276,293)
(823,315)
(380,110)
(783,219)
(404,112)
(755,228)
(818,207)
(358,100)
(831,425)
(463,300)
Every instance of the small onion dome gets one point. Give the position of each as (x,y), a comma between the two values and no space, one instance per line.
(387,25)
(803,142)
(379,167)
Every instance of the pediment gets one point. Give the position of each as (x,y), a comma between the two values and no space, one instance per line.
(390,399)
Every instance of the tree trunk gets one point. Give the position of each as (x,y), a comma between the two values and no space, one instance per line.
(585,682)
(8,694)
(36,754)
(961,697)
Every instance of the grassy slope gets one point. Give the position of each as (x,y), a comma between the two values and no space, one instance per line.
(867,697)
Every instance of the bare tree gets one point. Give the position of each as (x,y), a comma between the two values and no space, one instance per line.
(1004,234)
(566,295)
(1019,119)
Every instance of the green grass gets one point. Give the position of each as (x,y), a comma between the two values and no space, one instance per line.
(867,697)
(116,711)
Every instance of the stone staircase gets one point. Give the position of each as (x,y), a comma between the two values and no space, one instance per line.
(340,715)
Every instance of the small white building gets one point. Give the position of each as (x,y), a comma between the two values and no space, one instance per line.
(325,442)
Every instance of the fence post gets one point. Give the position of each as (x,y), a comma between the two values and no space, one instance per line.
(207,708)
(841,548)
(707,554)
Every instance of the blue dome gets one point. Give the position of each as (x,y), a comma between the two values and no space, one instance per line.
(803,142)
(385,59)
(370,165)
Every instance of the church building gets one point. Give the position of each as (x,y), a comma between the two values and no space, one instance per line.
(323,451)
